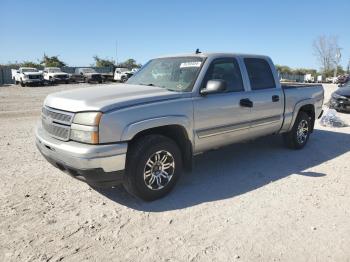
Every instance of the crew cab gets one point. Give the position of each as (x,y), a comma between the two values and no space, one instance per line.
(143,133)
(86,75)
(55,75)
(27,76)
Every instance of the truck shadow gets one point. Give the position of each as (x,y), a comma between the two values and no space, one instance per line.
(240,168)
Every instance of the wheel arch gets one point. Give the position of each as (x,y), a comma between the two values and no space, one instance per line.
(304,106)
(174,129)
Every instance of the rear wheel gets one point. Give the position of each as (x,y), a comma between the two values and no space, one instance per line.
(299,135)
(153,166)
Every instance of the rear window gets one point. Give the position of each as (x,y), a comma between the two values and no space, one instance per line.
(259,73)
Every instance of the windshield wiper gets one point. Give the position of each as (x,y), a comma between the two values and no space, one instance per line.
(143,84)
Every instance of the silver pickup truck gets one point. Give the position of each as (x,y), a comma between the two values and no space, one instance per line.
(145,132)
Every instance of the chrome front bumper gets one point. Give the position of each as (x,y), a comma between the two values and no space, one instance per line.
(78,156)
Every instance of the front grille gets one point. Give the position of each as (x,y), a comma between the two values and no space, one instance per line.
(58,116)
(96,77)
(57,123)
(57,131)
(34,76)
(61,76)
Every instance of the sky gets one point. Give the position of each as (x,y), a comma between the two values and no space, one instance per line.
(76,30)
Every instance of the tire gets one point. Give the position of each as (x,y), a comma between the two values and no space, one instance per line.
(22,84)
(296,138)
(147,181)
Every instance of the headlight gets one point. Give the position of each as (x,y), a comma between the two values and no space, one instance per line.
(85,127)
(88,118)
(336,96)
(90,137)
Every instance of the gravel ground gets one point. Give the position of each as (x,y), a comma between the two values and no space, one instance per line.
(256,201)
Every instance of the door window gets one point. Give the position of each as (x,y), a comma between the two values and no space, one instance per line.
(228,70)
(259,73)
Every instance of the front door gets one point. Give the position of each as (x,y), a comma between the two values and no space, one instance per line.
(220,119)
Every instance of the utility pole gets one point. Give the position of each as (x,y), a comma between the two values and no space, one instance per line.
(337,60)
(116,52)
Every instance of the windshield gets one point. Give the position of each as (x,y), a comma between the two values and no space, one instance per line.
(173,73)
(26,70)
(55,70)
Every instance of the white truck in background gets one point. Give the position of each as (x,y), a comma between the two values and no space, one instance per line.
(308,78)
(55,74)
(122,74)
(27,76)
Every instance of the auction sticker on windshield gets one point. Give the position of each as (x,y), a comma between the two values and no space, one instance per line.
(190,64)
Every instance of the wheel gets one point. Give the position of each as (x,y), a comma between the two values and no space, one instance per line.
(86,80)
(153,166)
(22,84)
(67,82)
(299,135)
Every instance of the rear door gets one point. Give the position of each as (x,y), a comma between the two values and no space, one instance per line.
(266,95)
(219,118)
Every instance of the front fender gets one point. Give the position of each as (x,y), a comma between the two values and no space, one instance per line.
(134,128)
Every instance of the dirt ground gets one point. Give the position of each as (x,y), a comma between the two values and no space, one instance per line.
(255,201)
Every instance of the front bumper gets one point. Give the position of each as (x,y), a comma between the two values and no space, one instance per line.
(32,81)
(98,165)
(340,104)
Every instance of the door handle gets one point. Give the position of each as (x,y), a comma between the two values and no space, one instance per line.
(246,102)
(275,98)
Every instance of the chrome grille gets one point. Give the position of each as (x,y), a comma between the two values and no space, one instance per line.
(58,131)
(57,123)
(58,116)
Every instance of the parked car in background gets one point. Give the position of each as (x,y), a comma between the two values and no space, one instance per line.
(331,80)
(122,74)
(342,80)
(87,75)
(55,75)
(27,76)
(340,99)
(319,79)
(142,133)
(308,78)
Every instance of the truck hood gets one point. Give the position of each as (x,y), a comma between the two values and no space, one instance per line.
(32,73)
(58,74)
(108,97)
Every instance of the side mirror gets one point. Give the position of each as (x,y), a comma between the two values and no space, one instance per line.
(214,86)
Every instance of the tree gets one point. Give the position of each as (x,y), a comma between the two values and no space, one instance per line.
(284,69)
(326,49)
(30,64)
(130,64)
(52,61)
(99,62)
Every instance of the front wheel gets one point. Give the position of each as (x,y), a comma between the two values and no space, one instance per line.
(153,167)
(300,133)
